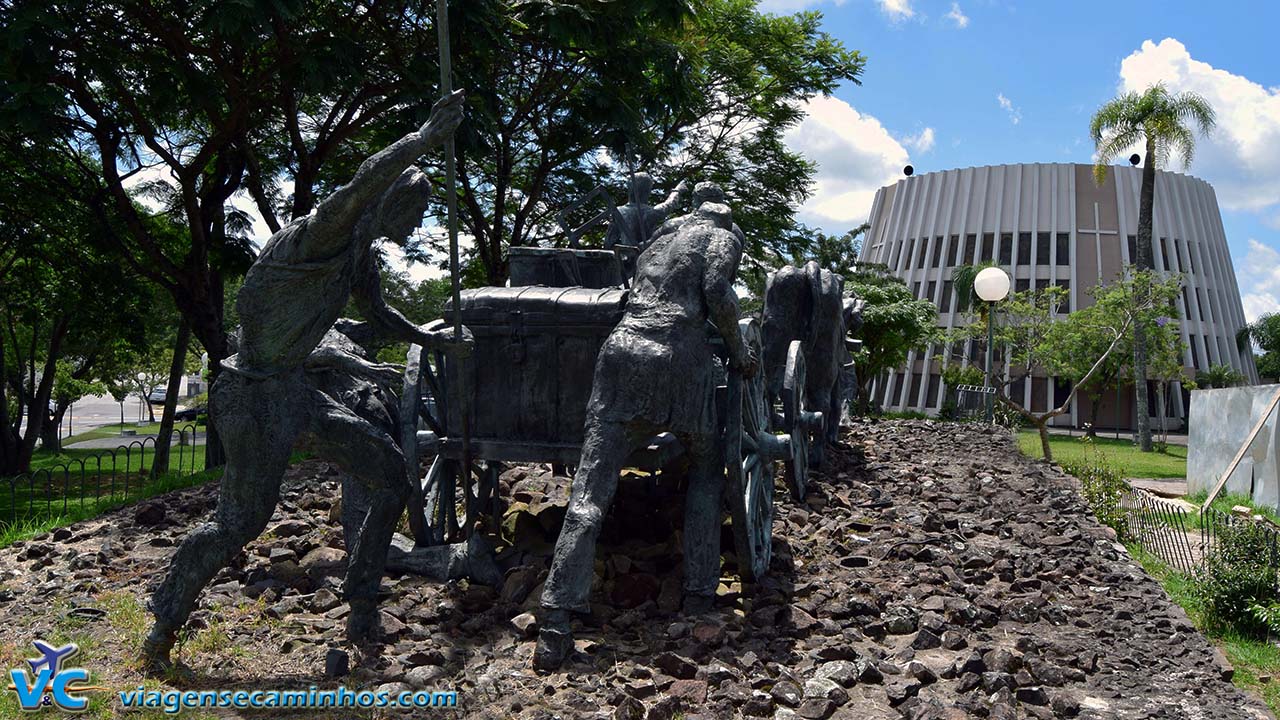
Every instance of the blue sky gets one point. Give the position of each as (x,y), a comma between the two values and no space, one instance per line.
(978,82)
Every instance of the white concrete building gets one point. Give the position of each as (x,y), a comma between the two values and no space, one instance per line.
(1050,224)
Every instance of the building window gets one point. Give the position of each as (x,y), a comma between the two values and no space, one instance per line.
(1133,249)
(970,247)
(1164,252)
(1208,351)
(1018,390)
(937,251)
(1042,248)
(988,246)
(1191,256)
(913,388)
(897,256)
(1206,310)
(1064,306)
(1006,248)
(1195,355)
(1061,391)
(933,294)
(1064,249)
(1024,248)
(915,291)
(1022,285)
(954,250)
(935,382)
(924,253)
(1041,284)
(947,290)
(1178,262)
(897,390)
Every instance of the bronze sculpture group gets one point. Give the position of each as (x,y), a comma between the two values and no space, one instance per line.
(300,371)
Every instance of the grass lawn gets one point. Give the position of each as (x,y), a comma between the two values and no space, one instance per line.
(77,484)
(42,515)
(1251,658)
(1118,454)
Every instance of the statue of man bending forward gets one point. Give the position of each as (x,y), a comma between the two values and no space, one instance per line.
(654,373)
(262,401)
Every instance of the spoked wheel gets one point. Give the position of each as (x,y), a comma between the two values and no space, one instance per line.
(410,407)
(803,425)
(454,503)
(750,469)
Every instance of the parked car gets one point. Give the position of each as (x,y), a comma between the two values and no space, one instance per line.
(188,414)
(156,397)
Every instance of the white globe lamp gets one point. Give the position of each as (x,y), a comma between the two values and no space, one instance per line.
(992,284)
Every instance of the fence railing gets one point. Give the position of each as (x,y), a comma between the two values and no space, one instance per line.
(114,475)
(1167,529)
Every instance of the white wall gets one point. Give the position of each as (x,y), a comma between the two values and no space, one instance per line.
(1220,423)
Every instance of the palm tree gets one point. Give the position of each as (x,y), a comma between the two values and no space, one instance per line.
(1161,121)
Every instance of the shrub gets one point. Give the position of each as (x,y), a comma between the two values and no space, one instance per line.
(1236,577)
(1104,491)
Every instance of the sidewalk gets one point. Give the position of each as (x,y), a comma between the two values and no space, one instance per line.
(111,443)
(1174,438)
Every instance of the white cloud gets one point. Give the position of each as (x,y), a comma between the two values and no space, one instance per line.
(856,156)
(897,9)
(921,142)
(1015,115)
(959,18)
(1241,158)
(1259,278)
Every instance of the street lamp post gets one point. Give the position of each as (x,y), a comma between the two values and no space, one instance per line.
(992,285)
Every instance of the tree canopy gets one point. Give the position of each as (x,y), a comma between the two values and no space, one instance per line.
(1265,333)
(894,323)
(1031,338)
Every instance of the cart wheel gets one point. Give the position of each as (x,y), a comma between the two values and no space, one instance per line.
(797,419)
(750,472)
(410,405)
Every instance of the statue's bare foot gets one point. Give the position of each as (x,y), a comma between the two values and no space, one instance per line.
(695,604)
(555,641)
(362,623)
(155,652)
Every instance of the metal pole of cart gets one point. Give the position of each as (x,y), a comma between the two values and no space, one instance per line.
(450,174)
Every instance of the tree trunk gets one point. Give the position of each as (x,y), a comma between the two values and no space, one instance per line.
(1093,416)
(160,464)
(1144,262)
(1043,427)
(51,433)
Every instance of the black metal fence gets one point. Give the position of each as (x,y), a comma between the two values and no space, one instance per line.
(111,476)
(1162,528)
(1174,532)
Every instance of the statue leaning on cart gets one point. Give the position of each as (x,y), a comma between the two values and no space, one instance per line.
(655,373)
(273,390)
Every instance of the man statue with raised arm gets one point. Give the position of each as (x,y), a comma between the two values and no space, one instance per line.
(263,403)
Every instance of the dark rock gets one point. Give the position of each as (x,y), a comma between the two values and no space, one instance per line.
(336,663)
(692,692)
(149,514)
(676,666)
(787,693)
